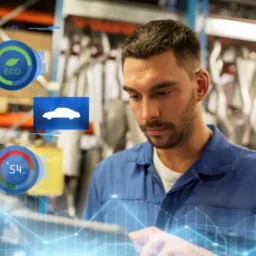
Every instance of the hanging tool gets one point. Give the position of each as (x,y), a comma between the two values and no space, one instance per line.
(245,73)
(71,139)
(221,103)
(74,35)
(253,115)
(115,125)
(88,65)
(95,154)
(250,124)
(64,86)
(97,111)
(82,83)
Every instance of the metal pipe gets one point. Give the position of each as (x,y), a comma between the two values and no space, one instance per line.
(191,13)
(56,39)
(203,36)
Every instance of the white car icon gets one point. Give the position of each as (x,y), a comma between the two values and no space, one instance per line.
(61,113)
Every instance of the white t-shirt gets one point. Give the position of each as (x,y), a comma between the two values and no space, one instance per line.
(167,176)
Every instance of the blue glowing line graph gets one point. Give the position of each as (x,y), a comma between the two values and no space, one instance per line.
(104,247)
(21,225)
(12,240)
(60,237)
(209,224)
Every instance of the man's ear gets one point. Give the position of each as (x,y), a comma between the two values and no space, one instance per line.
(203,81)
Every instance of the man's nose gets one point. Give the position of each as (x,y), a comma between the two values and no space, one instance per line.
(150,110)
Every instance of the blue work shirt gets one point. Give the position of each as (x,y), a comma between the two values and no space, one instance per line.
(213,204)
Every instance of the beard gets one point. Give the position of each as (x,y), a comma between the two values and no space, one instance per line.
(175,134)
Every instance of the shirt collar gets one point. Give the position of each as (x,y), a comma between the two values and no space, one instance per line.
(216,158)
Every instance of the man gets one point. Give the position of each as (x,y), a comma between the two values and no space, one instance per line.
(187,180)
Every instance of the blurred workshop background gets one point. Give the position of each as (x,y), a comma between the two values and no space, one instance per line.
(83,59)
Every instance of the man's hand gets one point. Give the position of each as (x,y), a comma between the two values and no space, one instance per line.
(154,242)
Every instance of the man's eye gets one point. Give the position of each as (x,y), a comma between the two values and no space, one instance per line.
(163,93)
(135,97)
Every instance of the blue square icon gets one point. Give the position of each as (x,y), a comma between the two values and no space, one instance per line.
(61,113)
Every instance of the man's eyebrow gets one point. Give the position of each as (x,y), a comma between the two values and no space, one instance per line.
(159,86)
(128,89)
(163,85)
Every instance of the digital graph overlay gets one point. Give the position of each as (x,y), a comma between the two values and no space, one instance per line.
(81,241)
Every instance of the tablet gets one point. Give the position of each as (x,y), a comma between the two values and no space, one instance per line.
(48,235)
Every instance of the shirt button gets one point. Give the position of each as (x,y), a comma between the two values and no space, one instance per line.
(190,175)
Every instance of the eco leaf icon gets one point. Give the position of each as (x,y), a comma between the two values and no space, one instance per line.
(11,62)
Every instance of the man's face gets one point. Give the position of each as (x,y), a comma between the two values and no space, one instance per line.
(162,98)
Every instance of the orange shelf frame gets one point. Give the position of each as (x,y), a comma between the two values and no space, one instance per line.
(8,119)
(41,18)
(114,27)
(30,16)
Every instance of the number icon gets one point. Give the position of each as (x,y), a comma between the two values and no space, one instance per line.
(18,169)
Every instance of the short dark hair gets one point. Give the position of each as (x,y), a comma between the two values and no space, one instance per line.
(159,36)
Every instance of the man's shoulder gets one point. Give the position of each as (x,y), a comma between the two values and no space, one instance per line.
(243,156)
(119,160)
(124,155)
